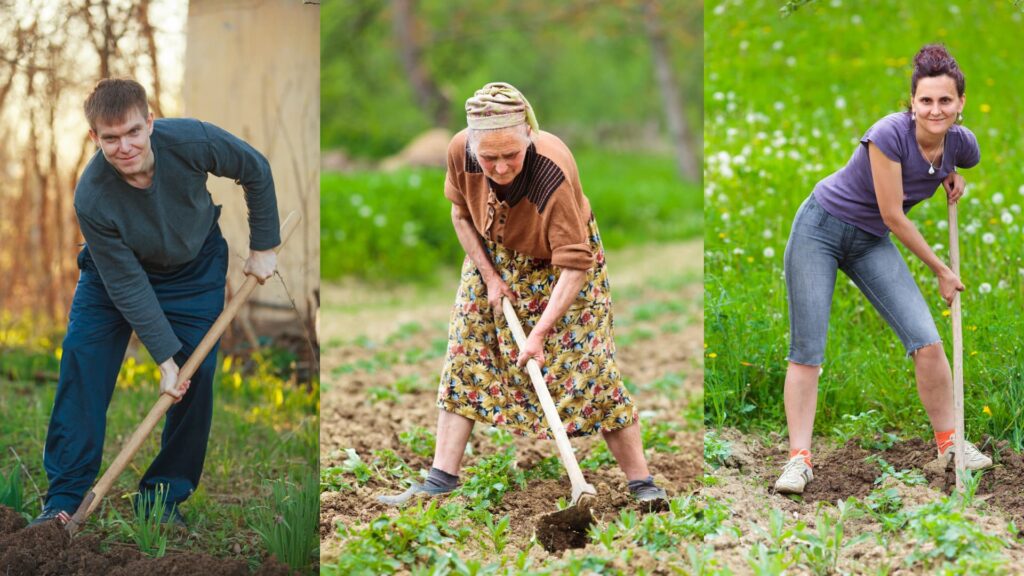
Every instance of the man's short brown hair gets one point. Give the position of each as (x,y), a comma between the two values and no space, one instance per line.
(113,99)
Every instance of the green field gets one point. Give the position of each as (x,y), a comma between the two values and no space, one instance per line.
(394,227)
(786,102)
(262,451)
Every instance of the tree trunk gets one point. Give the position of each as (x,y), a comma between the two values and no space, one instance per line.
(686,158)
(428,96)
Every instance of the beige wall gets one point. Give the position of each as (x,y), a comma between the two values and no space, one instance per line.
(253,68)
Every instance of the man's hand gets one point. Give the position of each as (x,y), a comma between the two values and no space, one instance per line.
(261,265)
(169,380)
(955,186)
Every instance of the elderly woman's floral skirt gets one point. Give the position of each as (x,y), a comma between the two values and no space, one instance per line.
(480,379)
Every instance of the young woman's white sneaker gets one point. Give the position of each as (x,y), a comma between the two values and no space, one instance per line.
(795,475)
(973,458)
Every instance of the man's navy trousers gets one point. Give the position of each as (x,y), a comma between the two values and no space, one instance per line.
(94,347)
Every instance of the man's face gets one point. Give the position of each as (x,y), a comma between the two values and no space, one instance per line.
(125,144)
(501,154)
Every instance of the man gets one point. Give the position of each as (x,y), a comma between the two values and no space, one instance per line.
(154,261)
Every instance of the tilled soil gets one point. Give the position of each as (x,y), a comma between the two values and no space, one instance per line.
(47,550)
(841,472)
(349,419)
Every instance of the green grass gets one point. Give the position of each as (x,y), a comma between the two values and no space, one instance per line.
(264,428)
(785,108)
(392,227)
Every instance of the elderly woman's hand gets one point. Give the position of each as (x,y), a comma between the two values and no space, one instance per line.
(496,290)
(534,349)
(955,186)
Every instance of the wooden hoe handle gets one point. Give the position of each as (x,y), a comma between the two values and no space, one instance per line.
(958,353)
(579,484)
(163,404)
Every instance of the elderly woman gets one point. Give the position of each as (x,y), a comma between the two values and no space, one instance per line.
(529,236)
(845,224)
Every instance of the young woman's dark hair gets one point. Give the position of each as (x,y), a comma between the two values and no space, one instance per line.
(934,60)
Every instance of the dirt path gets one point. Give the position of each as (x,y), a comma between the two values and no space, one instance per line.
(886,527)
(380,341)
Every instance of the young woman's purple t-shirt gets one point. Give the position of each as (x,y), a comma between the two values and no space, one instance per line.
(849,194)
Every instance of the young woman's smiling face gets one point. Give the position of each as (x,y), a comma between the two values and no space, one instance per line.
(936,104)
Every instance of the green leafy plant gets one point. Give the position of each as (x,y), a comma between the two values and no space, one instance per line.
(418,439)
(145,527)
(908,477)
(716,449)
(12,493)
(491,477)
(549,468)
(331,480)
(354,465)
(868,428)
(287,526)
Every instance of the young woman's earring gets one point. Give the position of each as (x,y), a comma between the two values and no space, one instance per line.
(959,118)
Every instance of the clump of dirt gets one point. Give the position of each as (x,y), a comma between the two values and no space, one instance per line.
(10,521)
(48,550)
(565,529)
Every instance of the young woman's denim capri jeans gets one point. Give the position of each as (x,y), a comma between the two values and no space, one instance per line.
(818,245)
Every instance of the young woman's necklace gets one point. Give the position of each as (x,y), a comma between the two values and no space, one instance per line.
(931,163)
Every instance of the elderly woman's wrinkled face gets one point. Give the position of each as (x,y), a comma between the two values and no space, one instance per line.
(936,104)
(501,153)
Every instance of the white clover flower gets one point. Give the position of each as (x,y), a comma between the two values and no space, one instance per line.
(1007,218)
(997,198)
(380,220)
(791,61)
(1015,208)
(988,238)
(985,288)
(356,199)
(856,20)
(744,45)
(777,45)
(725,216)
(780,106)
(769,252)
(739,251)
(1021,190)
(841,103)
(1003,285)
(365,211)
(938,248)
(718,96)
(767,234)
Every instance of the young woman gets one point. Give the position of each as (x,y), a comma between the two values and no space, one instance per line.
(845,225)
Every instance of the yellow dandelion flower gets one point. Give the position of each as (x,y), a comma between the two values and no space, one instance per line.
(712,355)
(750,259)
(721,235)
(974,353)
(985,108)
(987,410)
(278,397)
(946,312)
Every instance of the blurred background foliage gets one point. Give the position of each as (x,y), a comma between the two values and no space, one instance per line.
(618,81)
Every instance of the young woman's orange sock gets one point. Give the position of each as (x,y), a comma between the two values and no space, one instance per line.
(802,452)
(944,440)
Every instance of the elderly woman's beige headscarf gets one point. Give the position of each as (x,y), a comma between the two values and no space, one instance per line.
(499,105)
